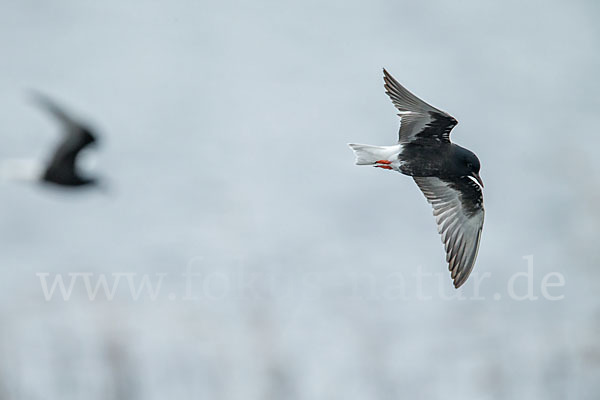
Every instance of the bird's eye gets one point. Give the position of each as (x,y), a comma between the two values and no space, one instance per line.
(469,165)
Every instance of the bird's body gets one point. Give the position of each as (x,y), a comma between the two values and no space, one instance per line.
(447,174)
(62,167)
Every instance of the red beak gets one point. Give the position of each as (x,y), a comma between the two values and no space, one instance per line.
(476,176)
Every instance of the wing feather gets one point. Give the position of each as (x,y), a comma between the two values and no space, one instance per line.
(419,121)
(458,208)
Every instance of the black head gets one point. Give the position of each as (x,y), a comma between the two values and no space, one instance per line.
(467,163)
(86,137)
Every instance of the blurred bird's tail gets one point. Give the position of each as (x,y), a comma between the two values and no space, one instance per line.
(20,169)
(378,156)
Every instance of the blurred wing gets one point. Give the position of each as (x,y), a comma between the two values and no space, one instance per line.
(459,213)
(49,105)
(419,122)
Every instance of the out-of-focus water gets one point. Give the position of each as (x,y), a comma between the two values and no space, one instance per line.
(285,271)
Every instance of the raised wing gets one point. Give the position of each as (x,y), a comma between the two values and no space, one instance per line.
(459,213)
(49,105)
(420,122)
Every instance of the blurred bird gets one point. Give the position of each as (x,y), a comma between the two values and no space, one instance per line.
(61,169)
(447,174)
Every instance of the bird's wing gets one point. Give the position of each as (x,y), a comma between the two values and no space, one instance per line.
(53,108)
(419,122)
(64,156)
(459,213)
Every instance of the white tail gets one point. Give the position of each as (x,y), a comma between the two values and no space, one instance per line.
(20,169)
(369,155)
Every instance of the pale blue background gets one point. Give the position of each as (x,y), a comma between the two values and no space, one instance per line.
(224,129)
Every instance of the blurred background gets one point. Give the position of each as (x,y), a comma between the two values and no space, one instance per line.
(266,265)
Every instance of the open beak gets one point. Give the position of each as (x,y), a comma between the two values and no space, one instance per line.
(476,176)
